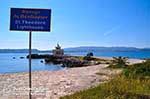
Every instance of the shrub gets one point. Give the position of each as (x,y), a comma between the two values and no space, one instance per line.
(119,62)
(88,56)
(141,70)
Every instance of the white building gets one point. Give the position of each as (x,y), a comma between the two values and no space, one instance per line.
(58,51)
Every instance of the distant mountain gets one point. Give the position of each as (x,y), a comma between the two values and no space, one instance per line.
(93,49)
(78,49)
(145,49)
(17,50)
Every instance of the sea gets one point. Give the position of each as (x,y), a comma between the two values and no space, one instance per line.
(17,62)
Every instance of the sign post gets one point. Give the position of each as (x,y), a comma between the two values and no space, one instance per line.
(25,19)
(30,81)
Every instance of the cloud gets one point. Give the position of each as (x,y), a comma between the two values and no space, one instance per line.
(111,30)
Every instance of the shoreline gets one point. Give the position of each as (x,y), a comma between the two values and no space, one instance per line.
(56,83)
(130,60)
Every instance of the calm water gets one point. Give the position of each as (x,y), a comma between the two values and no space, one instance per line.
(10,65)
(138,54)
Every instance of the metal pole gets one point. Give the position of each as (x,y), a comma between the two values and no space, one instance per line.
(30,42)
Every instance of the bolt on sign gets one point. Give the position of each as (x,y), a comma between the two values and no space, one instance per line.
(25,19)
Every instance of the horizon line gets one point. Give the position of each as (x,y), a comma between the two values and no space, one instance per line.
(74,47)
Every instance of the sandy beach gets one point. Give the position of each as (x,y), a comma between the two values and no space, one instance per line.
(54,84)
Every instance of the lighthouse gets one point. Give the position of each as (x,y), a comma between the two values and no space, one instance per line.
(58,51)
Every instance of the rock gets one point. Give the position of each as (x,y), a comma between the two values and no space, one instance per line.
(37,56)
(21,57)
(41,61)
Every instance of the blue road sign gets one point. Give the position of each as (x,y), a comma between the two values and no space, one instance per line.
(25,19)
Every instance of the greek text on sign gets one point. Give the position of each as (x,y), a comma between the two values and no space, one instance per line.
(23,19)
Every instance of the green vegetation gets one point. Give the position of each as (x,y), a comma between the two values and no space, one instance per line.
(133,83)
(141,70)
(89,56)
(119,62)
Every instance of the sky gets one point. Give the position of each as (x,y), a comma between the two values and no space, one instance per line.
(81,23)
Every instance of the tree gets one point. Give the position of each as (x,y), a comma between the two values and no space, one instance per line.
(88,56)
